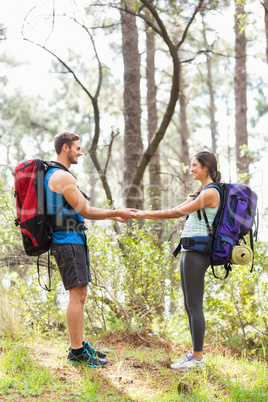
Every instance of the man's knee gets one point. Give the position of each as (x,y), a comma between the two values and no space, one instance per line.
(78,294)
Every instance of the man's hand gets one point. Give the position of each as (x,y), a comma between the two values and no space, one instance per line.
(128,213)
(125,214)
(118,219)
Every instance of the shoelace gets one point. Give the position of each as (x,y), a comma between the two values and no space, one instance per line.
(91,348)
(188,357)
(90,356)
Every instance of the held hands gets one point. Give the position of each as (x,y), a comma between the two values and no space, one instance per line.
(140,214)
(129,213)
(125,214)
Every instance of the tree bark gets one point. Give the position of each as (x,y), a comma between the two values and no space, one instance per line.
(154,164)
(212,108)
(184,134)
(132,108)
(242,159)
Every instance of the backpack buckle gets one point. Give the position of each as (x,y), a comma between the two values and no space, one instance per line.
(187,241)
(17,221)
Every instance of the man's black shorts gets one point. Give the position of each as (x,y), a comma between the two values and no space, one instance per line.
(73,263)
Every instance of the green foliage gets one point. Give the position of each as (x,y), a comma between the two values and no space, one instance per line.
(10,309)
(133,274)
(38,309)
(19,372)
(36,369)
(135,286)
(236,308)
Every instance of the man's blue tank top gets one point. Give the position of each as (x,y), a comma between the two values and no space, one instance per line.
(54,202)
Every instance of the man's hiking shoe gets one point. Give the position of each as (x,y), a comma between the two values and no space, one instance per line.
(188,362)
(96,353)
(90,348)
(86,359)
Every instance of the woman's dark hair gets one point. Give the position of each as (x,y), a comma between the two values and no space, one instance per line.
(208,160)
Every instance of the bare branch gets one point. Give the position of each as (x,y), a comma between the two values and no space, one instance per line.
(186,61)
(110,146)
(53,22)
(197,9)
(100,284)
(82,25)
(94,101)
(68,68)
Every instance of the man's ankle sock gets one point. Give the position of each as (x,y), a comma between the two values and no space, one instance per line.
(77,352)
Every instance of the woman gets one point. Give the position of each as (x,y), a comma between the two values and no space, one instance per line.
(193,264)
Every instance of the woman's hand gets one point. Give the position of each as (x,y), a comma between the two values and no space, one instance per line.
(125,214)
(141,214)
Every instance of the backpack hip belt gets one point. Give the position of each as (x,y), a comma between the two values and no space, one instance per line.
(66,223)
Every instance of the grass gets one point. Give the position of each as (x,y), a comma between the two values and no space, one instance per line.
(35,369)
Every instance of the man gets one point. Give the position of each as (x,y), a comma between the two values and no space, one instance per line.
(69,246)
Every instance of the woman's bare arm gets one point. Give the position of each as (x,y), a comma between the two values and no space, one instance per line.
(207,198)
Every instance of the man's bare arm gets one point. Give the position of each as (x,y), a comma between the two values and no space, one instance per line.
(64,183)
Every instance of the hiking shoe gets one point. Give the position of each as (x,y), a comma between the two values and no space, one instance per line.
(86,359)
(182,358)
(96,353)
(189,363)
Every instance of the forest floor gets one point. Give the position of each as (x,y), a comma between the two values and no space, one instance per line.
(138,369)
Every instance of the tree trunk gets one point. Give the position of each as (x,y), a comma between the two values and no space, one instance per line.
(184,134)
(212,108)
(174,91)
(154,164)
(242,159)
(132,109)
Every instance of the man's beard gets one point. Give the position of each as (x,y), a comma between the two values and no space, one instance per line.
(73,161)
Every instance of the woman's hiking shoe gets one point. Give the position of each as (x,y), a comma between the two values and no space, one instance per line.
(189,362)
(188,354)
(85,359)
(90,347)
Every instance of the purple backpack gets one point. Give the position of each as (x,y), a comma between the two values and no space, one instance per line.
(234,220)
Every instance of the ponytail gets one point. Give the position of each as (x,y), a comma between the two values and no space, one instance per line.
(209,160)
(216,176)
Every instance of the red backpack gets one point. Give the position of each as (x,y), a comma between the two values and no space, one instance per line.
(30,205)
(36,225)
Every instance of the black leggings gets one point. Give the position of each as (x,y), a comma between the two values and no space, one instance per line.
(193,266)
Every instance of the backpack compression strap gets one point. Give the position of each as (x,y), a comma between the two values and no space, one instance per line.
(228,268)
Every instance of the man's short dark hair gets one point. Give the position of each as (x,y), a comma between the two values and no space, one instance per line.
(64,137)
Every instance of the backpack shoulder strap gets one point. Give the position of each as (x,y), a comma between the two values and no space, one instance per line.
(219,188)
(58,165)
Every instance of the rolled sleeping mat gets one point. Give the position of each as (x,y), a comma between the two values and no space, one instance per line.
(241,255)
